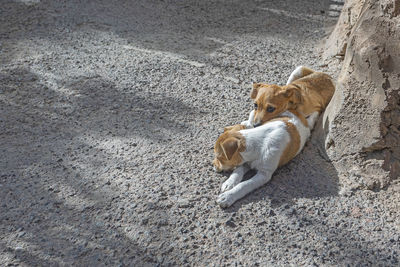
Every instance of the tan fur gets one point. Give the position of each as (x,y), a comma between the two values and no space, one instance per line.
(305,95)
(306,71)
(317,90)
(236,127)
(293,147)
(227,148)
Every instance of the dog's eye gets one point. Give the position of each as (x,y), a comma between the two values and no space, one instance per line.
(255,106)
(270,109)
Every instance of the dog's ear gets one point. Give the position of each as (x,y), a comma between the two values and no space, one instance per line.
(293,94)
(229,147)
(236,127)
(254,91)
(228,128)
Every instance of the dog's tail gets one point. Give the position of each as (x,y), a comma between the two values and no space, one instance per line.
(298,73)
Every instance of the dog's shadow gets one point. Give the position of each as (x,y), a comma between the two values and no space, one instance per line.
(310,175)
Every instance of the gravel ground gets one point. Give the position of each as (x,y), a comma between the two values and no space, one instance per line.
(109,113)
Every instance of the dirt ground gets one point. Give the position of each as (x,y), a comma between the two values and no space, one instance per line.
(109,113)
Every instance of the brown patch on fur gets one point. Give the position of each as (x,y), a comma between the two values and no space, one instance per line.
(293,94)
(236,127)
(317,90)
(306,71)
(254,91)
(293,147)
(227,149)
(305,95)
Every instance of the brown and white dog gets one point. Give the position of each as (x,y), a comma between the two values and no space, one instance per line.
(306,92)
(263,148)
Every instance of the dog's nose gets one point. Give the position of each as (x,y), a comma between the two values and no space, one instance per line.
(257,124)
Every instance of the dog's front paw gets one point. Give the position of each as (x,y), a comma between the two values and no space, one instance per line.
(225,200)
(247,124)
(227,185)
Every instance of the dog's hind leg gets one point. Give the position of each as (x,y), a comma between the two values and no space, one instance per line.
(298,73)
(227,198)
(235,178)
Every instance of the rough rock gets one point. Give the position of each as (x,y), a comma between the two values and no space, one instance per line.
(363,118)
(335,45)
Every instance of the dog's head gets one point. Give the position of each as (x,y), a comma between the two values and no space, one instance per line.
(271,100)
(227,148)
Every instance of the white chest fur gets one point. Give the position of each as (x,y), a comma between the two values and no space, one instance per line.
(265,145)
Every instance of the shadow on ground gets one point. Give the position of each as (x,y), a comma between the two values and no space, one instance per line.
(190,28)
(45,184)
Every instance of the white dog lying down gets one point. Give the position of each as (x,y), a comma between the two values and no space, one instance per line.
(264,148)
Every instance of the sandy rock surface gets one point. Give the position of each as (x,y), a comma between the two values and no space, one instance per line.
(363,118)
(109,113)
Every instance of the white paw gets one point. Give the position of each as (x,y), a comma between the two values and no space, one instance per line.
(228,185)
(247,124)
(225,200)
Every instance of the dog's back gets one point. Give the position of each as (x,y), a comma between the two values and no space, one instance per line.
(317,89)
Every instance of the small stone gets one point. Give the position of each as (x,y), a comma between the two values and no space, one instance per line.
(21,234)
(271,213)
(230,223)
(183,203)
